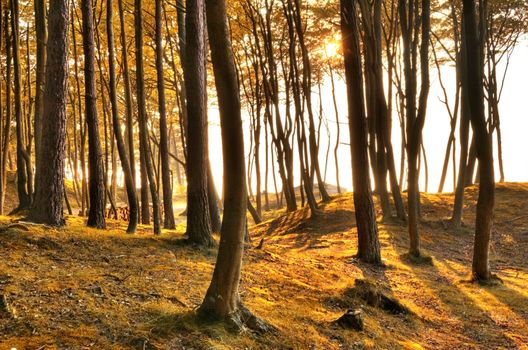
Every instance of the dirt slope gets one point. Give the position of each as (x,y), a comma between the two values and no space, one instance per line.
(77,288)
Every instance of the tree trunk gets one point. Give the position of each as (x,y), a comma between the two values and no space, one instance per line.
(128,94)
(214,201)
(222,301)
(42,37)
(7,123)
(475,93)
(96,214)
(415,119)
(22,159)
(47,205)
(456,218)
(168,221)
(142,117)
(125,164)
(198,216)
(368,242)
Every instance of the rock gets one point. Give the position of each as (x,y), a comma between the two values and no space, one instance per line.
(352,319)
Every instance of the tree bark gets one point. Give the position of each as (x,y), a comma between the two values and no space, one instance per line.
(96,213)
(22,158)
(125,164)
(475,93)
(128,93)
(222,300)
(368,241)
(142,119)
(168,221)
(42,37)
(198,216)
(48,202)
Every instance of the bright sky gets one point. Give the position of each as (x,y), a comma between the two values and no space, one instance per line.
(514,124)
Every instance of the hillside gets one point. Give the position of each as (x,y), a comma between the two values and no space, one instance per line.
(78,288)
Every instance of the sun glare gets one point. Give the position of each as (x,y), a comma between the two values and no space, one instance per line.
(331,49)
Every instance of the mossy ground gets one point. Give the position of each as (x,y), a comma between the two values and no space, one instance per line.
(79,288)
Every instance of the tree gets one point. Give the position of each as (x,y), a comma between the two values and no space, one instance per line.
(475,95)
(368,241)
(415,118)
(144,146)
(47,205)
(198,217)
(96,213)
(125,164)
(22,154)
(222,301)
(168,221)
(42,37)
(378,112)
(128,93)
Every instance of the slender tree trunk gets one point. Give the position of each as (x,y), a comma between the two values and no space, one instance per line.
(82,121)
(415,119)
(368,241)
(7,124)
(42,37)
(47,205)
(2,173)
(456,218)
(128,93)
(486,200)
(96,214)
(125,165)
(168,221)
(214,201)
(142,115)
(24,197)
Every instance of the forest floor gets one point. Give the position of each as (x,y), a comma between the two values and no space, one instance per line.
(79,288)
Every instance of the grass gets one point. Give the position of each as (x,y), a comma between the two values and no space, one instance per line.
(76,288)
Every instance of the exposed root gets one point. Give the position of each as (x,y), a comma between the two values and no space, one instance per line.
(17,225)
(417,259)
(240,321)
(492,281)
(371,294)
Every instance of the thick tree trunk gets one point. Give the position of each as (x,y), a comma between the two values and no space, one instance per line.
(125,164)
(368,241)
(96,213)
(47,205)
(222,301)
(198,216)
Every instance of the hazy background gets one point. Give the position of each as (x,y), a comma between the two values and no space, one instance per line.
(514,124)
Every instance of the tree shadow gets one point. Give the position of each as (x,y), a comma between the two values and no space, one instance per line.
(476,324)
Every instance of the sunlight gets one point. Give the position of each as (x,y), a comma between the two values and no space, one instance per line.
(331,48)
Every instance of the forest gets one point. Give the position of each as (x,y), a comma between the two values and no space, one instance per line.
(263,174)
